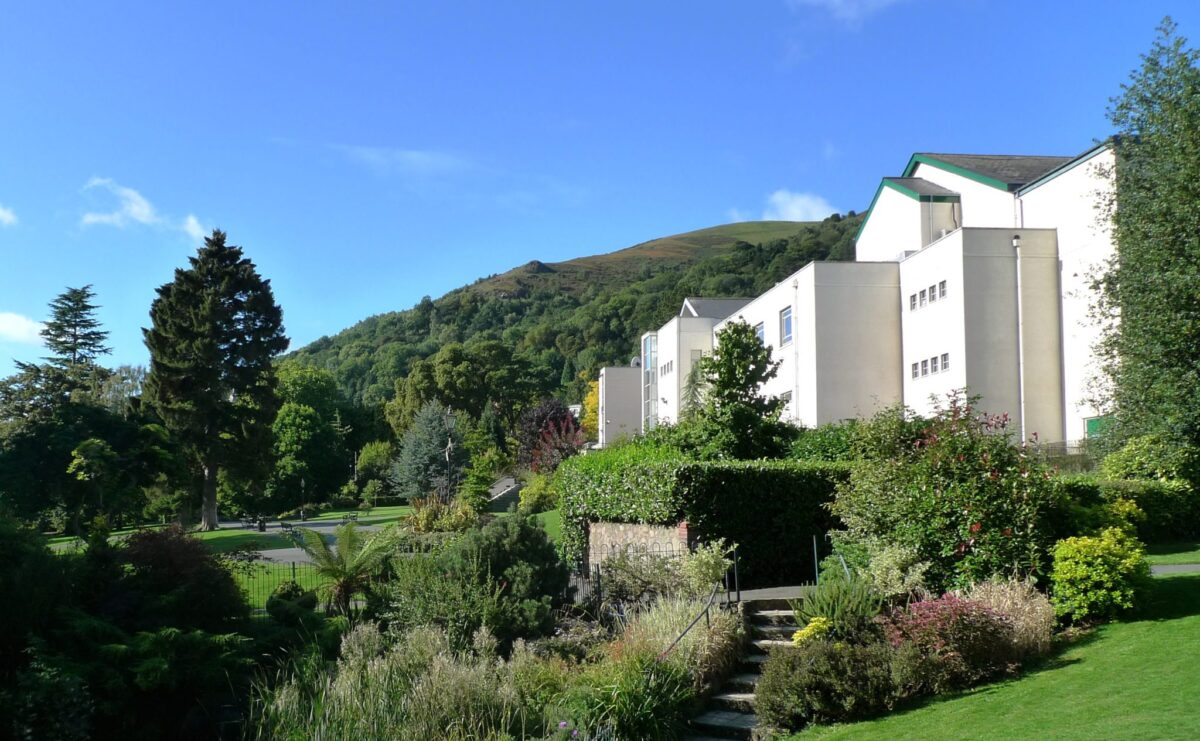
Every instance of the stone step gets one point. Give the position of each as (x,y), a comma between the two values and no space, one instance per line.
(774,616)
(740,701)
(745,682)
(754,661)
(780,632)
(725,724)
(764,645)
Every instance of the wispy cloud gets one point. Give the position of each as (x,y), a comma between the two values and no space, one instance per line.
(850,12)
(736,214)
(7,216)
(17,328)
(191,226)
(785,205)
(394,160)
(132,207)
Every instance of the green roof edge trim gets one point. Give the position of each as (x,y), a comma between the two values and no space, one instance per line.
(918,159)
(887,183)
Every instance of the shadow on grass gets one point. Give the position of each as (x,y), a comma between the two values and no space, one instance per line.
(1170,549)
(1171,598)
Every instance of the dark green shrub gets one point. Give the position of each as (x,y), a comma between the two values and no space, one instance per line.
(769,508)
(832,442)
(826,682)
(424,592)
(962,496)
(851,605)
(1172,508)
(962,643)
(1097,577)
(46,702)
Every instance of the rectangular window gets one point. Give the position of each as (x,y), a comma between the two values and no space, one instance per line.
(933,294)
(933,364)
(924,297)
(785,326)
(924,368)
(945,361)
(786,397)
(916,371)
(942,289)
(912,302)
(758,330)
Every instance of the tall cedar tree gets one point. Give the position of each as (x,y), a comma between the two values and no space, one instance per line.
(1152,290)
(214,332)
(73,333)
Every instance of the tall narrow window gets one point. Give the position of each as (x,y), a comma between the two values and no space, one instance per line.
(916,370)
(933,364)
(945,361)
(924,367)
(785,326)
(912,302)
(933,294)
(758,330)
(924,297)
(942,289)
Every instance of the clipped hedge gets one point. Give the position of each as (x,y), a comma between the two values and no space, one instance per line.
(771,509)
(1172,507)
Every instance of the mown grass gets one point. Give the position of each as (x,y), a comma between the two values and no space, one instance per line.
(1132,679)
(1162,554)
(260,580)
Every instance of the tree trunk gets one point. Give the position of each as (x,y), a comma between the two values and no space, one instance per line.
(208,503)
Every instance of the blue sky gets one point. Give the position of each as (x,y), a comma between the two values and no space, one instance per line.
(366,154)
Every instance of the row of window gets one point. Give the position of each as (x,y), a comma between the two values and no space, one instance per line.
(666,368)
(926,296)
(936,364)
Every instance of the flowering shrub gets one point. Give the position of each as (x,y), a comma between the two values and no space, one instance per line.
(956,491)
(1028,610)
(1095,578)
(962,642)
(818,627)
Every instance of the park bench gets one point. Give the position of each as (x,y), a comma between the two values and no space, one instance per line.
(349,518)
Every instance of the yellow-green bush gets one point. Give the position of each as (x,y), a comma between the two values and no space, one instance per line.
(1097,577)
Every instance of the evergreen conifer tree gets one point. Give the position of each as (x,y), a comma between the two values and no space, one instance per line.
(73,333)
(215,330)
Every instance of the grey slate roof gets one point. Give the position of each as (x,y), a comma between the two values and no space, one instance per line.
(712,308)
(1015,170)
(922,186)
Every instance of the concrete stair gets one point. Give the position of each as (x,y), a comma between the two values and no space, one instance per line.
(729,714)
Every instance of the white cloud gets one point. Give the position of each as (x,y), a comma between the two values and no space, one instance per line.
(17,328)
(191,225)
(850,12)
(736,214)
(132,206)
(7,216)
(784,205)
(389,160)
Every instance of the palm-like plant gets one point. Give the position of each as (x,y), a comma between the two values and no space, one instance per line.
(348,567)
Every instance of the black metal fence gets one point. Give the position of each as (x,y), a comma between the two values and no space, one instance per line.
(261,578)
(587,584)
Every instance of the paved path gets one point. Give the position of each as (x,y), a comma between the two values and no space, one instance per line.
(296,555)
(1175,568)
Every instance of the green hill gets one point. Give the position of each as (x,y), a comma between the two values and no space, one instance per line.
(562,318)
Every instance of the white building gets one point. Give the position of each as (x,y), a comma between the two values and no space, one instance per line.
(972,272)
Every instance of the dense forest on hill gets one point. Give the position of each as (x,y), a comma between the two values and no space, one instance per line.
(561,320)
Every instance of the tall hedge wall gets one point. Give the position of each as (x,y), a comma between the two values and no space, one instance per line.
(1172,507)
(771,509)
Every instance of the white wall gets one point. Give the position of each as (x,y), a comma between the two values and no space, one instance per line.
(938,327)
(681,341)
(982,205)
(1069,204)
(893,228)
(620,411)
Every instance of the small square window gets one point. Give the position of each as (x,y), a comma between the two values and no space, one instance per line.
(945,361)
(933,294)
(924,297)
(942,289)
(933,364)
(912,302)
(916,370)
(924,367)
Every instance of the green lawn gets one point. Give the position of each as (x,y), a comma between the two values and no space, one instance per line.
(263,578)
(1135,679)
(1172,553)
(552,521)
